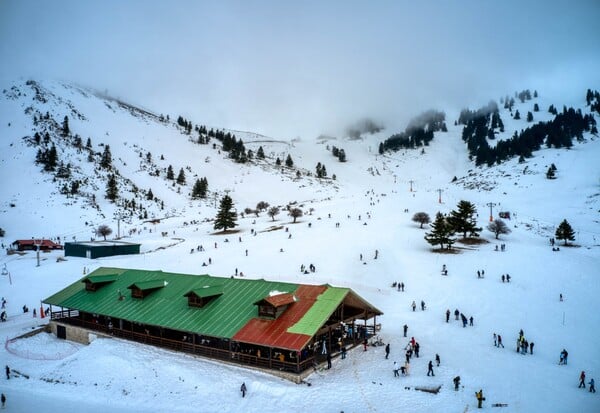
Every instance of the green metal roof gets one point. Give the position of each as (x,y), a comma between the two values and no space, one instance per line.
(168,307)
(318,314)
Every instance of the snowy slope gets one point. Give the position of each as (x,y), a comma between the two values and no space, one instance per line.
(130,377)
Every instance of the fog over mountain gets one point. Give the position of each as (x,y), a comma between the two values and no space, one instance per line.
(301,69)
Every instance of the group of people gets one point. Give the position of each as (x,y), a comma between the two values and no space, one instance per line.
(306,270)
(592,383)
(399,285)
(523,345)
(414,305)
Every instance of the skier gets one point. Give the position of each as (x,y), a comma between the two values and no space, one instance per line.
(456,313)
(437,359)
(456,381)
(447,315)
(243,389)
(387,350)
(430,368)
(414,306)
(591,383)
(405,329)
(582,380)
(396,368)
(480,398)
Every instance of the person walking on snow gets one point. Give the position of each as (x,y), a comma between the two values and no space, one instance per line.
(582,380)
(437,359)
(495,340)
(480,398)
(430,368)
(456,381)
(422,305)
(456,313)
(531,347)
(405,329)
(396,368)
(500,341)
(592,386)
(417,348)
(3,400)
(387,350)
(7,372)
(447,315)
(414,306)
(243,389)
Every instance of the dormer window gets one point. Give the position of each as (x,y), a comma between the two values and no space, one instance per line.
(142,289)
(274,305)
(95,282)
(200,297)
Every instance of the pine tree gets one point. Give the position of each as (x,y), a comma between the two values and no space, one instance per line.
(170,174)
(65,127)
(51,159)
(112,191)
(565,232)
(278,161)
(149,195)
(441,232)
(226,216)
(517,115)
(181,177)
(200,188)
(529,117)
(260,153)
(106,160)
(288,161)
(536,107)
(342,155)
(463,220)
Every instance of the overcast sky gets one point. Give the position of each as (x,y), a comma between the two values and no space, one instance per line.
(300,68)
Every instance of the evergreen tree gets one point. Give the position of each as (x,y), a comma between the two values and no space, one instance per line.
(463,220)
(260,153)
(226,217)
(170,174)
(536,107)
(181,177)
(149,195)
(565,232)
(106,159)
(529,117)
(112,191)
(288,161)
(88,144)
(441,232)
(342,155)
(517,115)
(65,127)
(278,161)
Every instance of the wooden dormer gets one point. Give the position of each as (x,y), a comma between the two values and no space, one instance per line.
(199,297)
(274,305)
(95,282)
(142,289)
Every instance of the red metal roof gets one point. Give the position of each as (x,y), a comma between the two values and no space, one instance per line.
(44,243)
(273,333)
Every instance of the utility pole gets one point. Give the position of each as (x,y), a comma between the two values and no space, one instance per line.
(491,205)
(411,182)
(38,245)
(440,195)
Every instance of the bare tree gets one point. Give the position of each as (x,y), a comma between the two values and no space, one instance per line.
(421,218)
(104,231)
(498,227)
(295,213)
(262,205)
(272,212)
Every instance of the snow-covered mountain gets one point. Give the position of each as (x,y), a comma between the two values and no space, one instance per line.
(370,198)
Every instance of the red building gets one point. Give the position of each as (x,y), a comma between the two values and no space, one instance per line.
(32,245)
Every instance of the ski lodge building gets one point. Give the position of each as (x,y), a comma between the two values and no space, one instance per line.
(283,328)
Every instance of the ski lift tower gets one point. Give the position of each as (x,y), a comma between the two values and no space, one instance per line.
(38,245)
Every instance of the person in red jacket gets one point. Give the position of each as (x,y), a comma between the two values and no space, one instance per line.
(582,380)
